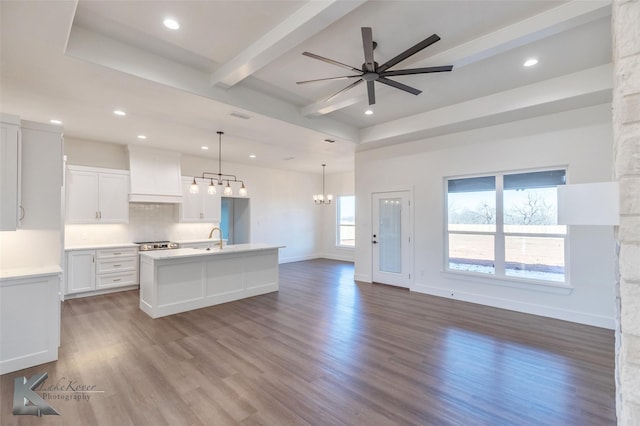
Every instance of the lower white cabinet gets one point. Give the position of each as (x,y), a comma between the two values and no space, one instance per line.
(81,271)
(29,319)
(101,270)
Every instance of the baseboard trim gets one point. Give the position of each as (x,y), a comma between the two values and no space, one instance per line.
(527,308)
(335,256)
(298,258)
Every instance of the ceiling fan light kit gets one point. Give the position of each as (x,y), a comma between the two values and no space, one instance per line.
(371,72)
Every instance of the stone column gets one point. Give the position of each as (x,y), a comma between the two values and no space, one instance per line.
(626,134)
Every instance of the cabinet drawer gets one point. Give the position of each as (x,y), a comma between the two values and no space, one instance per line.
(117,252)
(116,280)
(115,265)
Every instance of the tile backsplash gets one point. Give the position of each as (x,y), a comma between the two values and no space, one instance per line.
(147,222)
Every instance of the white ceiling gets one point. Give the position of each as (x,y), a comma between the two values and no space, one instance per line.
(78,61)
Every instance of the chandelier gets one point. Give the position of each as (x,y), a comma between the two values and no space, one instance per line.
(322,198)
(219,178)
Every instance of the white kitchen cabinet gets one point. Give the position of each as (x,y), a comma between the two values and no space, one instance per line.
(97,271)
(81,271)
(9,172)
(200,207)
(29,317)
(97,195)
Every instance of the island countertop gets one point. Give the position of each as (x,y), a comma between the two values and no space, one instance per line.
(180,280)
(191,252)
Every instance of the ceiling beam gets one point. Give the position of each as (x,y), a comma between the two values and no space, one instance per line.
(593,85)
(553,21)
(311,18)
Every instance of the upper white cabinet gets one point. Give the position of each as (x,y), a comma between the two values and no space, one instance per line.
(9,172)
(97,195)
(155,176)
(200,207)
(41,176)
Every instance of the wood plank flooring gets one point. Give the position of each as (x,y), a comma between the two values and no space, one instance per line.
(325,350)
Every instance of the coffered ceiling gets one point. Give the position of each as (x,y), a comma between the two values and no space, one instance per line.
(233,66)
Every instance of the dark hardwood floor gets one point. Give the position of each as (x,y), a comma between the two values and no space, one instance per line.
(324,350)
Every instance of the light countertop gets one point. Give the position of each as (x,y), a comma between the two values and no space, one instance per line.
(191,252)
(29,272)
(201,240)
(98,246)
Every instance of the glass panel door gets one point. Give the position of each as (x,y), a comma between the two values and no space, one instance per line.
(391,238)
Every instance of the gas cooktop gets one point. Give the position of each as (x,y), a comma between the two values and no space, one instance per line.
(156,245)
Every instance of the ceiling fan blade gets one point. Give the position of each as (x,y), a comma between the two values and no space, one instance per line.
(410,71)
(371,92)
(367,44)
(331,61)
(397,85)
(354,84)
(343,77)
(409,52)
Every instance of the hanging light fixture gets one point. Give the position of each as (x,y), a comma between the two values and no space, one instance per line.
(219,178)
(211,189)
(322,198)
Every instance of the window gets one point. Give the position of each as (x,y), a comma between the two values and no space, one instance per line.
(346,221)
(506,225)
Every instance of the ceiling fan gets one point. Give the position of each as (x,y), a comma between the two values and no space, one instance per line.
(372,72)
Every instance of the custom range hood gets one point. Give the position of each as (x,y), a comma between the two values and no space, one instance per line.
(154,176)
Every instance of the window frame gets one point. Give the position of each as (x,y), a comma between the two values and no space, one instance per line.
(499,275)
(339,224)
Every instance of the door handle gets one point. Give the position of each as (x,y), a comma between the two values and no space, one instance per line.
(374,242)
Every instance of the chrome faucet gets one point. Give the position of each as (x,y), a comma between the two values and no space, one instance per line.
(211,235)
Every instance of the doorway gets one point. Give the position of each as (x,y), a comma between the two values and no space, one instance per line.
(234,220)
(391,238)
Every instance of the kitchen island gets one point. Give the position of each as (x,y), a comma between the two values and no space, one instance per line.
(180,280)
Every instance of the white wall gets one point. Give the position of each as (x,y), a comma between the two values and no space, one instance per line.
(336,184)
(281,205)
(580,139)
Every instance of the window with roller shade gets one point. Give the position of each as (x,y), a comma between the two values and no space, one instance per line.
(505,225)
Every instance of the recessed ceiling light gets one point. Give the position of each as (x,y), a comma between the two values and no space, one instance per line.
(368,112)
(54,121)
(530,62)
(204,147)
(120,113)
(142,137)
(171,23)
(252,156)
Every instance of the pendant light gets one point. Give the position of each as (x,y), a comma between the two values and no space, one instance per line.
(219,178)
(322,198)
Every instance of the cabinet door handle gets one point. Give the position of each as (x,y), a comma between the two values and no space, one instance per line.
(96,215)
(21,213)
(117,254)
(93,259)
(100,214)
(116,280)
(117,266)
